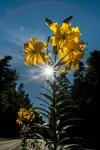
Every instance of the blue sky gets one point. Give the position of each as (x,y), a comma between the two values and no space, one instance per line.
(22,19)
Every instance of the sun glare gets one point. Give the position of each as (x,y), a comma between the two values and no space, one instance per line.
(48,71)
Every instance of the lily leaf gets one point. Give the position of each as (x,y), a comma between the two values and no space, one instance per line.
(72,145)
(63,140)
(48,90)
(67,127)
(42,100)
(44,110)
(40,136)
(44,115)
(47,96)
(45,106)
(71,107)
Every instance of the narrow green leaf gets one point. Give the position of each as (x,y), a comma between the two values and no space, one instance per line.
(63,123)
(47,96)
(46,90)
(67,127)
(42,100)
(46,111)
(70,121)
(74,119)
(40,136)
(64,114)
(63,140)
(37,125)
(57,122)
(44,115)
(62,132)
(48,142)
(72,145)
(71,107)
(46,106)
(59,103)
(50,84)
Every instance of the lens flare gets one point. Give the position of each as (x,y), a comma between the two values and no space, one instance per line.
(43,72)
(48,71)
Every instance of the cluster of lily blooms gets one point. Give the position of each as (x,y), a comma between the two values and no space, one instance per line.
(65,45)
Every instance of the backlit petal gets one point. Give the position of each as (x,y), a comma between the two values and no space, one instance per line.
(27,58)
(41,58)
(40,46)
(64,27)
(26,48)
(75,31)
(54,27)
(31,43)
(53,41)
(33,60)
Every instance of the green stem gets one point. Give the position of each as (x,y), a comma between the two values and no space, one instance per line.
(54,109)
(54,116)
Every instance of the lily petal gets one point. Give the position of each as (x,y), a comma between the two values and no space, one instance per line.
(75,31)
(41,58)
(54,27)
(53,41)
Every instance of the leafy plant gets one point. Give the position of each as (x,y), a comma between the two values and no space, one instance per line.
(63,118)
(59,109)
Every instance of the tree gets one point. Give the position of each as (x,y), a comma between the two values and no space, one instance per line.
(10,99)
(85,91)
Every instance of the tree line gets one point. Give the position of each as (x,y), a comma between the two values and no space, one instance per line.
(83,92)
(11,98)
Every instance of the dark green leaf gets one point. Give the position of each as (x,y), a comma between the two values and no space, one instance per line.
(47,89)
(43,100)
(63,140)
(46,111)
(44,115)
(69,108)
(71,145)
(46,106)
(47,96)
(40,136)
(67,127)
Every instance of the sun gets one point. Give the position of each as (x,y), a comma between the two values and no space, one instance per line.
(48,71)
(43,72)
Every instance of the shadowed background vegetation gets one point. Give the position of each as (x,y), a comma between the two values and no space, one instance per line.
(12,98)
(84,93)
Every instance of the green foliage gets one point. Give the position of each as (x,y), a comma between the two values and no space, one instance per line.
(71,111)
(86,93)
(62,113)
(10,99)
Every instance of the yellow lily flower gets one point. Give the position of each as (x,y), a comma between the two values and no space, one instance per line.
(33,50)
(25,115)
(71,55)
(63,34)
(18,121)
